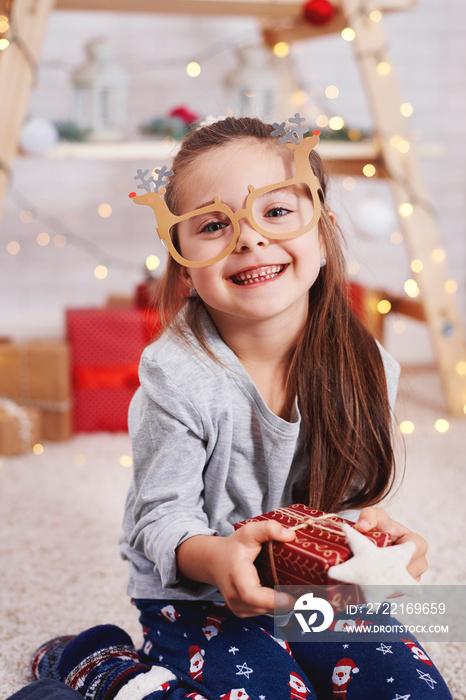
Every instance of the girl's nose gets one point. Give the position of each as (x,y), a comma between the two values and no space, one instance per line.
(248,237)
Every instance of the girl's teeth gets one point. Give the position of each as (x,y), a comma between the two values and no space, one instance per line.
(264,273)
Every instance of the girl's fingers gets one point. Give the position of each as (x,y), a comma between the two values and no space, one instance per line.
(374,518)
(377,518)
(248,597)
(263,531)
(418,564)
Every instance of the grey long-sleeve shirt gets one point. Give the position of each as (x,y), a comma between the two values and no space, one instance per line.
(207,453)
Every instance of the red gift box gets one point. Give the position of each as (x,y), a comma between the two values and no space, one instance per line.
(320,543)
(106,346)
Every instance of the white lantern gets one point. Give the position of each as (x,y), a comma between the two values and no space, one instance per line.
(101,88)
(261,85)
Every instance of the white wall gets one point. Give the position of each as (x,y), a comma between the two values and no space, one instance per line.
(429,53)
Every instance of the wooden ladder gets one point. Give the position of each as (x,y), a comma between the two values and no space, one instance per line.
(418,221)
(399,162)
(28,23)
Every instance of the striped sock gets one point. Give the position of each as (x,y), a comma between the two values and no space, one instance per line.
(46,658)
(96,663)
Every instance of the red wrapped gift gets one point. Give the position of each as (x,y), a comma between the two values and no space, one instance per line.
(319,544)
(106,346)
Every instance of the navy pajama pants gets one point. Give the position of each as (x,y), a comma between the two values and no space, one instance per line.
(217,655)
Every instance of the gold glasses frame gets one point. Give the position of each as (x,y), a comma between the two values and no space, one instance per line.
(166,220)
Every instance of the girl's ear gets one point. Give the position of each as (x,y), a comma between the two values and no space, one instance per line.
(186,277)
(331,215)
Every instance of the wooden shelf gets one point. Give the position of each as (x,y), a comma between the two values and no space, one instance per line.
(247,8)
(154,150)
(340,157)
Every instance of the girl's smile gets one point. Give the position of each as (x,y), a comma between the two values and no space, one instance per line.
(257,275)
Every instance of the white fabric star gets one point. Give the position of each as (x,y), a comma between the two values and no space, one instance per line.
(385,649)
(383,568)
(244,670)
(427,678)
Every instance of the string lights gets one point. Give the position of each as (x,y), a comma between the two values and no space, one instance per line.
(407,427)
(332,92)
(62,235)
(348,34)
(441,425)
(4,31)
(193,69)
(281,49)
(81,459)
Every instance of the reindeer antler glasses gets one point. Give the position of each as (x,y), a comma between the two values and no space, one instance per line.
(283,210)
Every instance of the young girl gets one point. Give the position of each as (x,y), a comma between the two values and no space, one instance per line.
(262,390)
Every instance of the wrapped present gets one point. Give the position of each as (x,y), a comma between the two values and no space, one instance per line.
(20,428)
(320,543)
(106,346)
(36,374)
(121,301)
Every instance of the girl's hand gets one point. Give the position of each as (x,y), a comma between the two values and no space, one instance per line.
(237,577)
(228,563)
(376,518)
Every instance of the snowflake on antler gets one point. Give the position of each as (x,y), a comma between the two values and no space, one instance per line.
(145,183)
(295,131)
(163,175)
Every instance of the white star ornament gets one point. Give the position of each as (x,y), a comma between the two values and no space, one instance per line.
(380,572)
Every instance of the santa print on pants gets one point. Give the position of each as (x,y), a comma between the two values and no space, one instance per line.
(298,689)
(196,662)
(342,676)
(416,651)
(212,626)
(283,643)
(170,613)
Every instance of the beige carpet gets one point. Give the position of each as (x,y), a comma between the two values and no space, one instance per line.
(60,513)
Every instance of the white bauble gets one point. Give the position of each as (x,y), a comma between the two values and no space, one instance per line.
(38,136)
(374,217)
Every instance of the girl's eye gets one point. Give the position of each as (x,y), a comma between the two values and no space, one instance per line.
(213,227)
(276,212)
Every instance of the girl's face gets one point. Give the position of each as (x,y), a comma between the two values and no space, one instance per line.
(262,278)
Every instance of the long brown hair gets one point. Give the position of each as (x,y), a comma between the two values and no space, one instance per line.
(336,369)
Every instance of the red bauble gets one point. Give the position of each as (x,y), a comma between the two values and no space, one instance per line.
(318,11)
(184,114)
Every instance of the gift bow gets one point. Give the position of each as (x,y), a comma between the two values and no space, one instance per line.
(107,376)
(24,420)
(305,521)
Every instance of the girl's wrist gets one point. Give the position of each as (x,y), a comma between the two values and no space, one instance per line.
(195,558)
